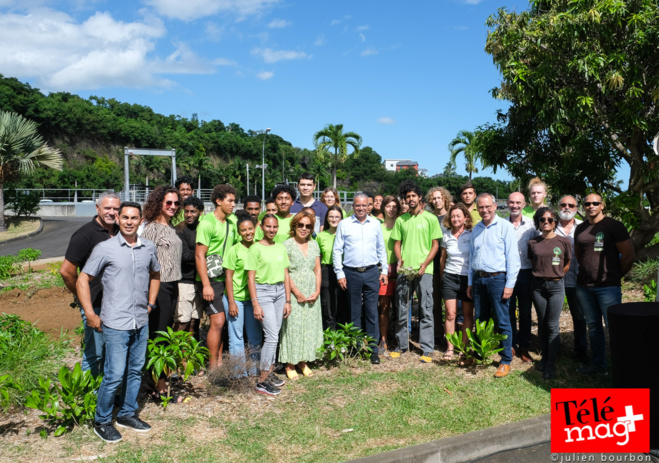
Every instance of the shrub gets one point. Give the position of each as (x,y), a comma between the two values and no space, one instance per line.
(172,352)
(71,403)
(644,272)
(28,255)
(343,343)
(650,291)
(8,267)
(22,203)
(483,344)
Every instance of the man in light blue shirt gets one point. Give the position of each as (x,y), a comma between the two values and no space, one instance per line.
(358,251)
(493,267)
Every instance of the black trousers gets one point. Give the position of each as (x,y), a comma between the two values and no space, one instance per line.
(363,289)
(333,301)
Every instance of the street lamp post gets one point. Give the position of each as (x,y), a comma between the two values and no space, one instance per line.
(263,168)
(247,166)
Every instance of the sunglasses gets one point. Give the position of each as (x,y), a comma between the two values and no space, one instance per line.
(175,203)
(592,203)
(546,219)
(571,206)
(308,226)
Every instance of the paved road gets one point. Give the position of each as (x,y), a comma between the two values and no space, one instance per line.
(53,239)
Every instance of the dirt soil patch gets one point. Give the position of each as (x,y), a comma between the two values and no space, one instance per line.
(48,309)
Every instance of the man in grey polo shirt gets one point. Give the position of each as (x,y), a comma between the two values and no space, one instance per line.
(130,273)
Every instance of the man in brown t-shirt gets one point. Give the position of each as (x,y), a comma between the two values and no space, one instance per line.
(605,253)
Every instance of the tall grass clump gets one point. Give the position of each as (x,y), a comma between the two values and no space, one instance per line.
(26,354)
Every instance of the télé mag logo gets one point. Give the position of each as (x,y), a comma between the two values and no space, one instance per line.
(600,420)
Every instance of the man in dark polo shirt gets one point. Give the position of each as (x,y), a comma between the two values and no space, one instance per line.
(605,253)
(82,242)
(306,186)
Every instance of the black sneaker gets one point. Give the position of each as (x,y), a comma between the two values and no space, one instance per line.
(107,432)
(590,370)
(375,358)
(133,423)
(275,380)
(265,387)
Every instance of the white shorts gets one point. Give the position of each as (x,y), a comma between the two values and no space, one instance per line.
(189,304)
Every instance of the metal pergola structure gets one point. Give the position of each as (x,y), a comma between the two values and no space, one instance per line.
(145,152)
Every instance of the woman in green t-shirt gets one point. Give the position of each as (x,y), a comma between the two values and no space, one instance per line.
(330,197)
(237,304)
(270,293)
(391,208)
(331,295)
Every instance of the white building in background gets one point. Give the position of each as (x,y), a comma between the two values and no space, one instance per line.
(390,164)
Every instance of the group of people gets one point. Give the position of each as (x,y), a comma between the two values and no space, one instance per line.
(275,279)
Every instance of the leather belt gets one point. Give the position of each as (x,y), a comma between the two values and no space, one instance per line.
(360,269)
(550,279)
(486,274)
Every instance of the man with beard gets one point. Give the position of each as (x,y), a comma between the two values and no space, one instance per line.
(605,254)
(416,235)
(468,197)
(184,186)
(567,224)
(522,297)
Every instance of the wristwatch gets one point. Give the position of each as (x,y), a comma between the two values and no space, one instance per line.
(153,306)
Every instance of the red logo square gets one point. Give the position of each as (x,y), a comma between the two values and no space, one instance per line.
(600,420)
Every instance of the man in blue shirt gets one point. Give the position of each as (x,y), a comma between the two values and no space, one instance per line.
(358,250)
(129,270)
(306,186)
(493,267)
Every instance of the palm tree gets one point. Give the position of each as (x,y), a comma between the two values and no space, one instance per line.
(333,137)
(22,150)
(465,143)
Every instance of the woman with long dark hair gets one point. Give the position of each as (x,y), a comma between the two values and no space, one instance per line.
(161,206)
(332,297)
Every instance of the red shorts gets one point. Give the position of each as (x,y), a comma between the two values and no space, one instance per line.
(390,287)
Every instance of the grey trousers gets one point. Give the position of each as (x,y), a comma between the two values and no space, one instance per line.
(272,299)
(404,291)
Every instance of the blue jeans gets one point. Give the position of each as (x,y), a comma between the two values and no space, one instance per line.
(125,354)
(244,322)
(522,298)
(92,356)
(578,321)
(595,303)
(272,299)
(487,293)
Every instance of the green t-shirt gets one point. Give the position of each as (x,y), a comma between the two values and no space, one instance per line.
(269,263)
(282,234)
(235,260)
(417,233)
(212,233)
(389,243)
(325,240)
(528,212)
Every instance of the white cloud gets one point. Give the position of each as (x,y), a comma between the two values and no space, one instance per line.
(63,54)
(320,40)
(213,31)
(386,121)
(272,56)
(369,52)
(194,9)
(265,75)
(362,37)
(364,27)
(279,24)
(334,22)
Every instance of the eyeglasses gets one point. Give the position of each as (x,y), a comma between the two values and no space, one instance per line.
(308,226)
(592,203)
(546,219)
(571,206)
(175,203)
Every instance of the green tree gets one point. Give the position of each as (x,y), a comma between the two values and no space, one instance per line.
(333,138)
(582,78)
(465,143)
(22,150)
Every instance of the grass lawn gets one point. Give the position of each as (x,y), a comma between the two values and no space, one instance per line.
(19,227)
(338,414)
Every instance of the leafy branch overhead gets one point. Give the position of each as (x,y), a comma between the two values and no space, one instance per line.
(582,78)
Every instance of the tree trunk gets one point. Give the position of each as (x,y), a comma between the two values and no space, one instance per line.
(199,186)
(3,226)
(334,177)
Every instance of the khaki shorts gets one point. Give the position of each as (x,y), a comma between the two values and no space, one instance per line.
(189,304)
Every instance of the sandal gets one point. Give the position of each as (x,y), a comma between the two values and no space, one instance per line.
(448,355)
(306,371)
(161,397)
(291,374)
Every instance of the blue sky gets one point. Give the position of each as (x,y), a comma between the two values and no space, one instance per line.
(406,76)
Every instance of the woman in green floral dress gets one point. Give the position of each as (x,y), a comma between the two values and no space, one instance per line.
(302,331)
